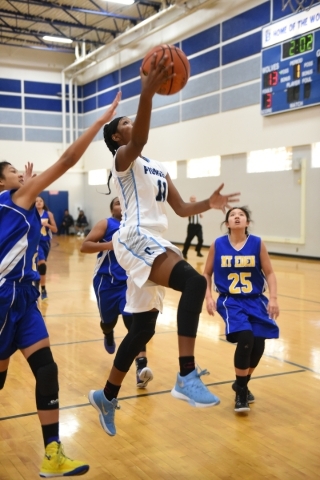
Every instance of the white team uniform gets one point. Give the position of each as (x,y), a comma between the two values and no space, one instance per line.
(142,190)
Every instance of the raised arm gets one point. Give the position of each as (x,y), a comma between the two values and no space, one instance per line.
(208,270)
(26,195)
(273,308)
(92,242)
(141,126)
(186,209)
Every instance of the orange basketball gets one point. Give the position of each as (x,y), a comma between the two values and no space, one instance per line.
(181,67)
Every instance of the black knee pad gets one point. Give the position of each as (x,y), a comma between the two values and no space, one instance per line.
(45,371)
(187,280)
(42,268)
(141,331)
(108,327)
(243,351)
(3,376)
(257,351)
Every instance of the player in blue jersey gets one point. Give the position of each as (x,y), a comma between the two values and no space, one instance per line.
(21,324)
(48,227)
(241,270)
(150,261)
(110,286)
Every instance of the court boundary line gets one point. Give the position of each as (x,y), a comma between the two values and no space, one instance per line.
(149,394)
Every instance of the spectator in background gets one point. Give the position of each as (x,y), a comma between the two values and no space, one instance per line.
(67,222)
(194,230)
(81,223)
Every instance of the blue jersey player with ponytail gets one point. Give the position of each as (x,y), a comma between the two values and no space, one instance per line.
(110,286)
(241,270)
(21,324)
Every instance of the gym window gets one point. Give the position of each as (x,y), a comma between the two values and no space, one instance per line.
(172,169)
(269,160)
(204,167)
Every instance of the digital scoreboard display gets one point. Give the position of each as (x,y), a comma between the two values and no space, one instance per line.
(290,74)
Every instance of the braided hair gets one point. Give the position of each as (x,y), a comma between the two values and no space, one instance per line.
(108,130)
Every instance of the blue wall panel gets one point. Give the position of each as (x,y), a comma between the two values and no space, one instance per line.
(106,98)
(201,85)
(201,107)
(131,71)
(206,39)
(8,117)
(205,62)
(90,89)
(108,81)
(10,133)
(9,85)
(89,104)
(240,97)
(10,101)
(249,20)
(45,104)
(242,48)
(43,119)
(41,88)
(43,135)
(166,116)
(163,100)
(241,72)
(131,89)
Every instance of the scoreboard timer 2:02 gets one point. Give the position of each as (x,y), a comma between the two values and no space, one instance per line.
(290,74)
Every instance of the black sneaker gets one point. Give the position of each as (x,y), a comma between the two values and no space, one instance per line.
(199,254)
(250,397)
(241,404)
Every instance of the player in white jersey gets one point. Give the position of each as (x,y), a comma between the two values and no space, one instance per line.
(150,261)
(21,324)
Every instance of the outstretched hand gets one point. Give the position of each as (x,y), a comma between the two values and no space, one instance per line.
(222,202)
(28,172)
(158,74)
(110,113)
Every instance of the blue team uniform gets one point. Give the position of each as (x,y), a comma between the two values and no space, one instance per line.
(110,280)
(45,239)
(21,323)
(240,282)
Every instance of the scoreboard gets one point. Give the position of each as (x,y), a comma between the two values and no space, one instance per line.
(290,70)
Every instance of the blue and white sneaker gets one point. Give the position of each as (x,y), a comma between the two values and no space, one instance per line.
(144,376)
(191,389)
(106,410)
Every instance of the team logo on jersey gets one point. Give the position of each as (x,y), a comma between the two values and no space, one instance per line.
(240,261)
(153,171)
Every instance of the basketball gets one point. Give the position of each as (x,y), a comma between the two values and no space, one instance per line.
(181,67)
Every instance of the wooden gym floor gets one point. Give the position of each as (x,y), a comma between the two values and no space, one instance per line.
(159,437)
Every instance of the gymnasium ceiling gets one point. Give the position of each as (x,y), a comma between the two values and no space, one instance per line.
(24,23)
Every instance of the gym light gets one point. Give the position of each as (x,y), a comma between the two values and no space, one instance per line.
(57,39)
(122,2)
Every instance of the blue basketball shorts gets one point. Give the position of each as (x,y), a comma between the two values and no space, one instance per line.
(43,250)
(111,299)
(21,323)
(247,313)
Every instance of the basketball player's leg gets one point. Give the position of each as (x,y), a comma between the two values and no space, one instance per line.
(43,252)
(242,357)
(4,364)
(33,341)
(144,374)
(170,271)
